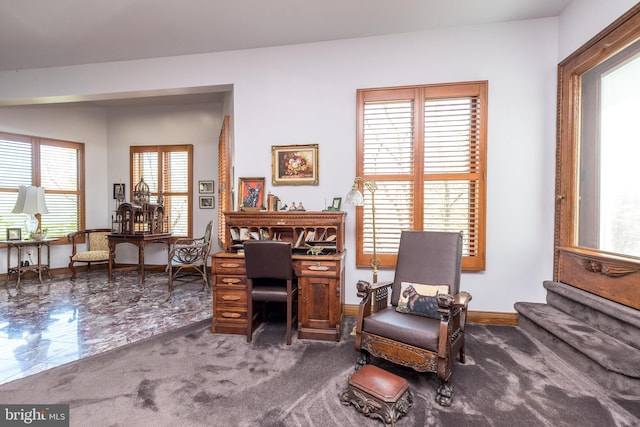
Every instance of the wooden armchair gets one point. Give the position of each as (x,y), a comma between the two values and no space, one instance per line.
(97,249)
(425,342)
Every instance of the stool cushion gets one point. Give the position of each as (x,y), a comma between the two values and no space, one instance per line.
(379,383)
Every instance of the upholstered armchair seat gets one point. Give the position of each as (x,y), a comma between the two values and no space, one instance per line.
(419,331)
(91,256)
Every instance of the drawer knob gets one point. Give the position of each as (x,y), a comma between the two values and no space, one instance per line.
(231,280)
(231,298)
(318,267)
(230,315)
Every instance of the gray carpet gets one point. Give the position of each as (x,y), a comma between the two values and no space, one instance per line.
(190,377)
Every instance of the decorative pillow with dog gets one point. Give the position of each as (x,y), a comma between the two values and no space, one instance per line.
(416,298)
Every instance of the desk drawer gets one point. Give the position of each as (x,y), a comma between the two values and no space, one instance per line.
(223,280)
(319,268)
(229,266)
(230,298)
(230,315)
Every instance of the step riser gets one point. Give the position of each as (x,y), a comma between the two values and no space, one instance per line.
(616,328)
(612,381)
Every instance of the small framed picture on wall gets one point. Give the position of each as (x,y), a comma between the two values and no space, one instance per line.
(207,202)
(205,187)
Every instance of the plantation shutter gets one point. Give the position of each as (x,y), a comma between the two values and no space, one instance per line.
(224,179)
(424,147)
(59,177)
(53,164)
(167,171)
(388,160)
(452,177)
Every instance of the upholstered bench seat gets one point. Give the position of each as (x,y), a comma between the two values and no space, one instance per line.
(378,394)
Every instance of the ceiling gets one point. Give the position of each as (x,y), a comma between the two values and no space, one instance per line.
(43,33)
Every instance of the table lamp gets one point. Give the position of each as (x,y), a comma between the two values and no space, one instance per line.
(31,202)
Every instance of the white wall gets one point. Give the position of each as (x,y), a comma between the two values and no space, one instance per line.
(78,124)
(164,125)
(583,19)
(305,94)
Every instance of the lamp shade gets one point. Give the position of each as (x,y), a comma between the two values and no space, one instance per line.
(354,197)
(30,200)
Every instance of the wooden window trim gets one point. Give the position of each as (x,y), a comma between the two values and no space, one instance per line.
(610,275)
(418,94)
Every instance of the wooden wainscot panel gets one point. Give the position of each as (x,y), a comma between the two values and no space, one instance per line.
(613,279)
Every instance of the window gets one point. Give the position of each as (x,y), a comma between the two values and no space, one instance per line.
(424,147)
(55,165)
(597,201)
(168,171)
(609,203)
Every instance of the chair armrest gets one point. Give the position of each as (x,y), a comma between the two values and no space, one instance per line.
(462,299)
(378,293)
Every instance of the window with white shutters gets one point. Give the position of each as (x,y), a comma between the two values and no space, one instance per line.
(53,164)
(425,148)
(167,170)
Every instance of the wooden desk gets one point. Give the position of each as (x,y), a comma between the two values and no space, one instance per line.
(320,294)
(38,268)
(139,240)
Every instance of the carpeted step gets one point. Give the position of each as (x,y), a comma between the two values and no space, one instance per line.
(617,320)
(606,360)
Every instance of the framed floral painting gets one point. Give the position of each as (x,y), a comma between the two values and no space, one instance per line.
(294,164)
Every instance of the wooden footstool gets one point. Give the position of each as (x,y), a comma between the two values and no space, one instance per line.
(378,394)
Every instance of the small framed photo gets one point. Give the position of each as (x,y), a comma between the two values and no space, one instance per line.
(205,187)
(250,194)
(294,164)
(14,234)
(118,191)
(337,203)
(207,202)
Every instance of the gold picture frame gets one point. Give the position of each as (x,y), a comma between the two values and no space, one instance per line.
(294,164)
(250,194)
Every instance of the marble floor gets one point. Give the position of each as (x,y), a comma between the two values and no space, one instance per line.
(59,321)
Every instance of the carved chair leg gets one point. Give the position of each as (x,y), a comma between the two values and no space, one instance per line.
(444,395)
(73,270)
(364,359)
(463,358)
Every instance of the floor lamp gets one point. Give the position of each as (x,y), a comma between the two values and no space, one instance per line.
(31,202)
(356,198)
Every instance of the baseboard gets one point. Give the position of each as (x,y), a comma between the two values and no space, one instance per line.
(64,272)
(492,318)
(478,317)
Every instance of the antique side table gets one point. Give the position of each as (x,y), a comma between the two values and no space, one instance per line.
(38,267)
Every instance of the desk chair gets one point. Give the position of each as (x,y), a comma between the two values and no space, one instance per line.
(270,278)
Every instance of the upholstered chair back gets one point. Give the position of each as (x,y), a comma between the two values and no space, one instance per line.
(268,259)
(98,241)
(430,258)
